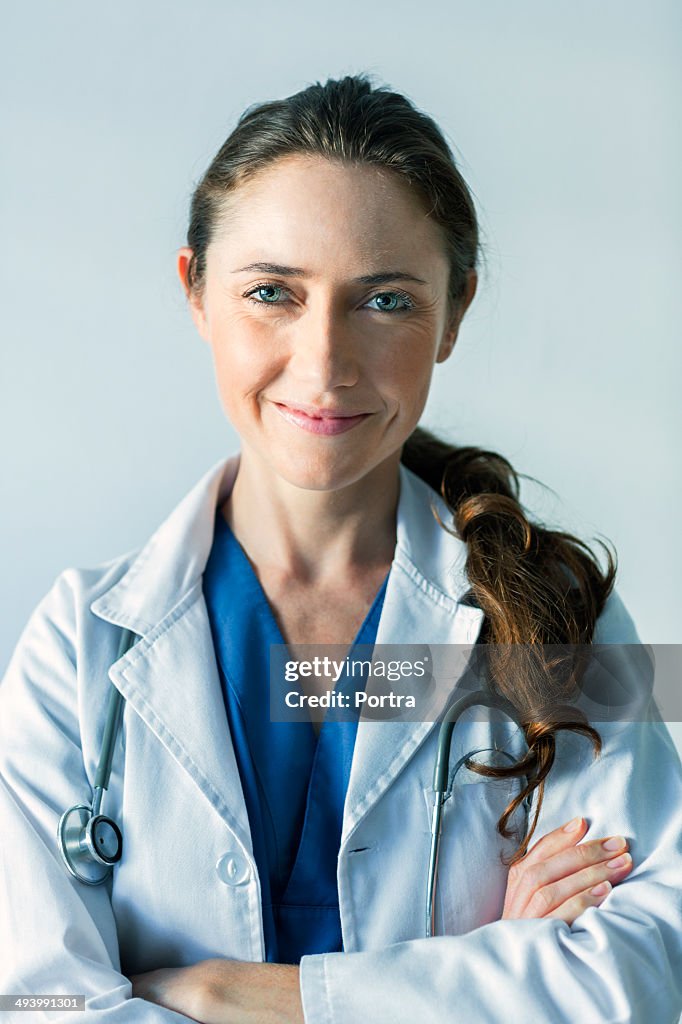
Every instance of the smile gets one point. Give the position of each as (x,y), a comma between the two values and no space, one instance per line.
(325,422)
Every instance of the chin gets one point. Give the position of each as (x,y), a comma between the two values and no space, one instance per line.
(321,471)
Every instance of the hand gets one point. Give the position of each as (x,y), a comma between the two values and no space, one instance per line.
(222,991)
(558,878)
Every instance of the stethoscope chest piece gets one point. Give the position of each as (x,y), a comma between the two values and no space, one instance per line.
(89,843)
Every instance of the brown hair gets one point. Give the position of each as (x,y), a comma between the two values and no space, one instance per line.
(535,586)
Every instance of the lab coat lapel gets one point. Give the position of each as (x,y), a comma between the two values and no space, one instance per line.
(422,606)
(170,677)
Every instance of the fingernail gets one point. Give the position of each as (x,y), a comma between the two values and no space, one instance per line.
(573,825)
(601,889)
(615,843)
(619,862)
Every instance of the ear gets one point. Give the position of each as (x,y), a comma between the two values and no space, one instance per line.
(194,300)
(447,342)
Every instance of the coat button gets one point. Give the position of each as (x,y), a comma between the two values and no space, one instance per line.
(233,868)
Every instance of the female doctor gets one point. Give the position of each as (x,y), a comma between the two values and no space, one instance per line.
(276,871)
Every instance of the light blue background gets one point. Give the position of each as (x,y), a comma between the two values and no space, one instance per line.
(566,121)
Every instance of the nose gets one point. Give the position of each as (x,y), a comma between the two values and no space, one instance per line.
(324,351)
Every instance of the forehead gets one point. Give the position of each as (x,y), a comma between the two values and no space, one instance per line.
(314,209)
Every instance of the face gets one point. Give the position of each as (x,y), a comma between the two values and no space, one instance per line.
(325,306)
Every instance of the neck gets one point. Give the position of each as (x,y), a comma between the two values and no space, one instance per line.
(314,535)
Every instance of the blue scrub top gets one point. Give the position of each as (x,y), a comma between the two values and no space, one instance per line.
(294,782)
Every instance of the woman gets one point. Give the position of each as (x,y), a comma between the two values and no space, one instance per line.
(272,871)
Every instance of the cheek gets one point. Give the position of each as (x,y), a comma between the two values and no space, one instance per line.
(405,374)
(245,360)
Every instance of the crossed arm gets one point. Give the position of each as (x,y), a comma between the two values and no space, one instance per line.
(559,877)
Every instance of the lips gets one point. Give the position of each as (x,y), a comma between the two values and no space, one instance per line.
(327,422)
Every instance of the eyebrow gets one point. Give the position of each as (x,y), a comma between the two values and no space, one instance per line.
(383,277)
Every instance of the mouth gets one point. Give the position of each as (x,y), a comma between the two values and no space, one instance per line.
(327,422)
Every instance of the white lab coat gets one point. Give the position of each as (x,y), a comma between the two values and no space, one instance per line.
(175,790)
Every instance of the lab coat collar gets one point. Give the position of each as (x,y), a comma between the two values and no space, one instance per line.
(171,679)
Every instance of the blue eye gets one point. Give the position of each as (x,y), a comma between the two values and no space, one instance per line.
(271,294)
(393,299)
(267,299)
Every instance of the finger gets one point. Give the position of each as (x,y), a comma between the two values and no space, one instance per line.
(571,861)
(549,897)
(574,907)
(561,838)
(522,882)
(532,882)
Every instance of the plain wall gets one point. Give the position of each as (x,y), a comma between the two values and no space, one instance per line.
(565,119)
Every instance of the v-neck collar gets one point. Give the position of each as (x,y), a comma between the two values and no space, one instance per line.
(255,591)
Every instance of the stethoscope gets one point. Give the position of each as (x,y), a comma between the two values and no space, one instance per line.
(91,843)
(484,698)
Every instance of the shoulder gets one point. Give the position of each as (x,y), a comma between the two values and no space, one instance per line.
(64,605)
(170,558)
(61,629)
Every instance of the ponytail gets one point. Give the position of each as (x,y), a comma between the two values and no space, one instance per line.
(535,587)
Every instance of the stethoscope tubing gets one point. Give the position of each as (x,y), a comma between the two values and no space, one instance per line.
(482,698)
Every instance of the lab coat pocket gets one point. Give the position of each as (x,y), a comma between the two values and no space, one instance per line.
(472,873)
